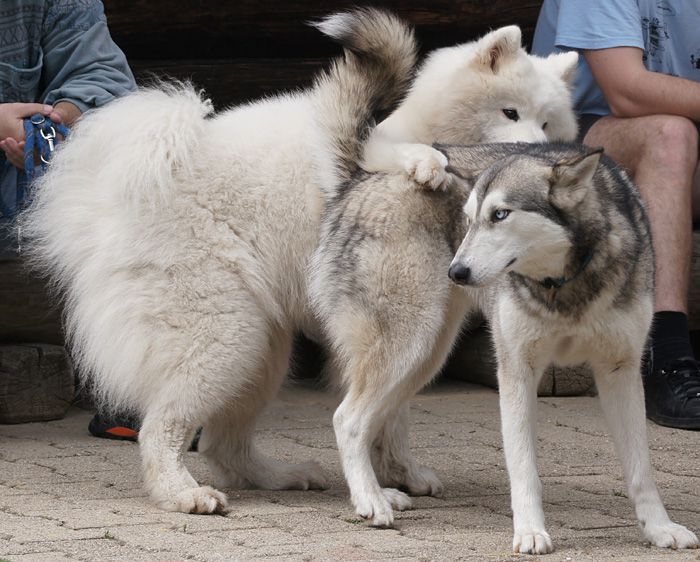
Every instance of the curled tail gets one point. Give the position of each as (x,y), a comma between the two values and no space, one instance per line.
(121,157)
(380,56)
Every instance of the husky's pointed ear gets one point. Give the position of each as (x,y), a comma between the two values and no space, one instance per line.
(571,179)
(497,47)
(564,65)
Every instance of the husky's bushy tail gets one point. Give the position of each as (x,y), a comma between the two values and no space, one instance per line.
(380,56)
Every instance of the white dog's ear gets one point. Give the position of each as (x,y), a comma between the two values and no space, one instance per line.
(571,179)
(497,47)
(564,65)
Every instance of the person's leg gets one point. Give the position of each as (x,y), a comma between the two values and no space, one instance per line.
(661,153)
(696,191)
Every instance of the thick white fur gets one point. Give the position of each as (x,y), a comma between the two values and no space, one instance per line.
(181,241)
(180,300)
(458,97)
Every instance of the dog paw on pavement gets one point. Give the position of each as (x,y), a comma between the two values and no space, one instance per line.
(532,542)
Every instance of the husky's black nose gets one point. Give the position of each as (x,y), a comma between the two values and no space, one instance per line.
(459,273)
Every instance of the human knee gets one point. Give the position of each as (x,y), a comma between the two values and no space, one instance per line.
(675,139)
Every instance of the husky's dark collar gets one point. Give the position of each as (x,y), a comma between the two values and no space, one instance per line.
(559,282)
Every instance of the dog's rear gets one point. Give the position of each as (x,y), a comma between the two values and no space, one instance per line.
(158,228)
(120,163)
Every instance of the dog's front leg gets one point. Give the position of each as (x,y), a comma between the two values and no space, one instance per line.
(622,398)
(420,162)
(517,386)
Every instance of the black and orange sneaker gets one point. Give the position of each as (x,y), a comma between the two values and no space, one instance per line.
(124,428)
(121,426)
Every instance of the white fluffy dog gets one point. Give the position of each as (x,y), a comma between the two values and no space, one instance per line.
(484,91)
(182,241)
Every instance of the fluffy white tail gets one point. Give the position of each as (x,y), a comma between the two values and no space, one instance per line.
(119,162)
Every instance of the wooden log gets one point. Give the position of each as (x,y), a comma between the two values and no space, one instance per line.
(27,313)
(36,383)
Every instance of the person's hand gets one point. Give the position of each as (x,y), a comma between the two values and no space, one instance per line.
(12,127)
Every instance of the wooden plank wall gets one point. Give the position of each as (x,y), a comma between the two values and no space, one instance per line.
(243,49)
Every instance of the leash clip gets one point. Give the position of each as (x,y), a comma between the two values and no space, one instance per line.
(48,134)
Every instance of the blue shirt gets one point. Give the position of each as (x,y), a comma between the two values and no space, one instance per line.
(666,30)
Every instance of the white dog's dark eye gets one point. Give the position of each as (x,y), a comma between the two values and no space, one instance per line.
(544,126)
(500,214)
(511,114)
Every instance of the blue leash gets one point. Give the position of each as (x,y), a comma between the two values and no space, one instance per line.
(40,135)
(40,139)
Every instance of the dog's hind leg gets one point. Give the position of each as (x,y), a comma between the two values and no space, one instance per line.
(357,422)
(164,438)
(394,464)
(391,362)
(392,458)
(622,398)
(206,367)
(227,439)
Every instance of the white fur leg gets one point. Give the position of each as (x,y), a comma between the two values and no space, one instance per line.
(421,162)
(394,464)
(517,386)
(236,462)
(424,164)
(163,441)
(622,399)
(227,440)
(357,423)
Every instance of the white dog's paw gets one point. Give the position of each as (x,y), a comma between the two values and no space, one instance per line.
(398,500)
(310,477)
(276,475)
(532,542)
(378,508)
(670,535)
(426,166)
(424,482)
(202,499)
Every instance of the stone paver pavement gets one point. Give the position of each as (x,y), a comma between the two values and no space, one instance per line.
(67,496)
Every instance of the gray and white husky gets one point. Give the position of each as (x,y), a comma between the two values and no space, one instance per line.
(182,244)
(552,243)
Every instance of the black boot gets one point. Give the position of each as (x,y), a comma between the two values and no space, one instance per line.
(672,392)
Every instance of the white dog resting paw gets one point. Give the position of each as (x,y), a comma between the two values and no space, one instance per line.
(531,541)
(670,535)
(378,508)
(425,165)
(202,499)
(423,482)
(304,476)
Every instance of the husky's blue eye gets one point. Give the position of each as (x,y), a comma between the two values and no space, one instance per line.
(511,114)
(500,214)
